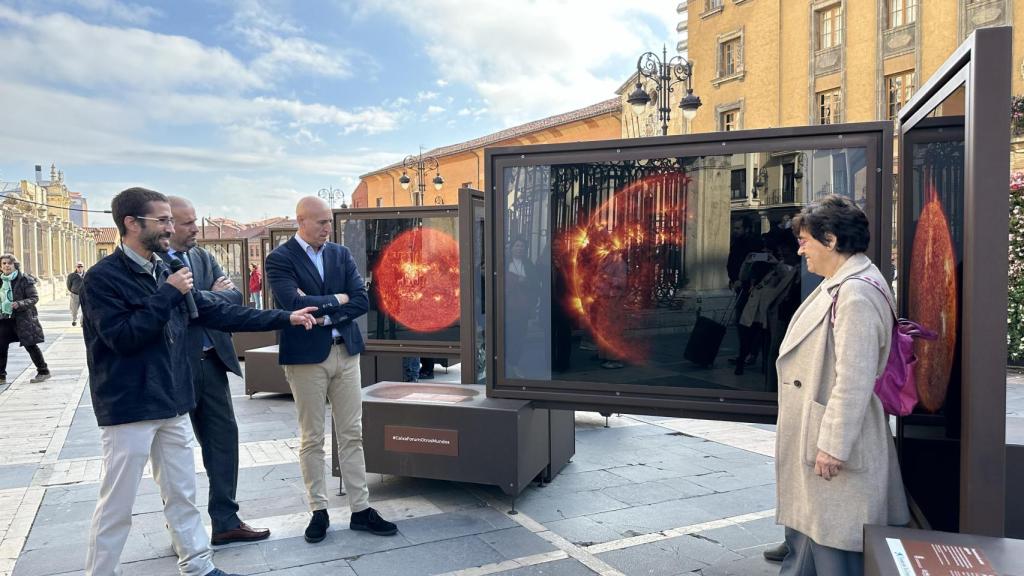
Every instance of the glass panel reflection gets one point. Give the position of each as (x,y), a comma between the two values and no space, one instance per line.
(479,318)
(677,272)
(233,258)
(411,268)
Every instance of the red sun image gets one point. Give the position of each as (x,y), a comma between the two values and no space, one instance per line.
(933,299)
(610,262)
(417,279)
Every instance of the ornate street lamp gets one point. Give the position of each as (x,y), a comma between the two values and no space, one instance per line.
(664,72)
(330,194)
(420,164)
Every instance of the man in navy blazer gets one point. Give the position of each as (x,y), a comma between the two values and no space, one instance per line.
(323,363)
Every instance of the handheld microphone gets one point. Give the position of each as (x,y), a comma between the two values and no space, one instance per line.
(190,301)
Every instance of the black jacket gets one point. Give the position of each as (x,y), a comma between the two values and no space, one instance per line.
(74,283)
(136,340)
(26,319)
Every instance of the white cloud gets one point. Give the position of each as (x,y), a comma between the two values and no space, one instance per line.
(433,110)
(441,82)
(294,55)
(426,95)
(58,48)
(527,71)
(123,11)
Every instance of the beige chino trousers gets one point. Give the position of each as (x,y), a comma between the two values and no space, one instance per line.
(337,379)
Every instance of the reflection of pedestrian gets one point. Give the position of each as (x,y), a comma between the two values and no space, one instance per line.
(520,300)
(255,286)
(410,369)
(18,318)
(74,285)
(611,292)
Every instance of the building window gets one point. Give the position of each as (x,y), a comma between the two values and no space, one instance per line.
(738,184)
(728,121)
(380,202)
(829,106)
(902,12)
(729,62)
(103,252)
(710,5)
(898,89)
(788,183)
(830,27)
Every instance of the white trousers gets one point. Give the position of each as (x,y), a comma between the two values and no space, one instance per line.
(337,378)
(126,448)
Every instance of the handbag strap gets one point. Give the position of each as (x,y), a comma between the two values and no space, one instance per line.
(869,280)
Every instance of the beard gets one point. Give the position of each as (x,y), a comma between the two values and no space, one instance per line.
(155,241)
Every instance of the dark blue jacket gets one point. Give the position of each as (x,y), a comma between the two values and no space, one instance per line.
(136,340)
(288,270)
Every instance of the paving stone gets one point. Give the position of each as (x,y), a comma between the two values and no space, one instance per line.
(16,475)
(654,492)
(240,560)
(547,509)
(516,542)
(583,531)
(748,538)
(751,566)
(430,558)
(564,567)
(655,517)
(584,482)
(453,525)
(736,502)
(341,543)
(335,568)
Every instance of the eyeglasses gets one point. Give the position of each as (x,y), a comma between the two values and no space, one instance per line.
(79,266)
(163,221)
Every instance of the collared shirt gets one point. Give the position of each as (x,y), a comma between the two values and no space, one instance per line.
(317,258)
(147,265)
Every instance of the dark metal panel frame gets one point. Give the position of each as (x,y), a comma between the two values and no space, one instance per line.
(875,137)
(278,235)
(425,348)
(982,65)
(468,199)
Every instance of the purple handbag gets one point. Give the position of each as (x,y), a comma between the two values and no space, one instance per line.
(897,386)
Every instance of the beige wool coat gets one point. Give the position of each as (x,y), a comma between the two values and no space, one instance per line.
(826,401)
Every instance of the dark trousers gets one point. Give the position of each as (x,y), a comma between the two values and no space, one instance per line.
(8,336)
(808,558)
(213,421)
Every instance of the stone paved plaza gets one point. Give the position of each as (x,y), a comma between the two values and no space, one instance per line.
(644,496)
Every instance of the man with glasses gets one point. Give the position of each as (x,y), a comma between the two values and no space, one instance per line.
(135,324)
(309,270)
(74,284)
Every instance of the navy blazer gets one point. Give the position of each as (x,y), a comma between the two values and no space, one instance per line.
(205,271)
(288,269)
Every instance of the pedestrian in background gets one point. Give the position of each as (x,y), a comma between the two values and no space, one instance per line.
(836,464)
(255,286)
(19,320)
(74,285)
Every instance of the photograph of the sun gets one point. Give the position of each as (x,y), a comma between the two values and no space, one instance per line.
(417,279)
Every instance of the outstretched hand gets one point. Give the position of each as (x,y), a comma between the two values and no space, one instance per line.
(303,317)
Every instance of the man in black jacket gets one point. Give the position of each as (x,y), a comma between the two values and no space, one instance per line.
(213,356)
(74,284)
(135,324)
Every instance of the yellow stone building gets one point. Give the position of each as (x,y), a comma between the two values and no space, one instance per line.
(773,63)
(462,165)
(36,226)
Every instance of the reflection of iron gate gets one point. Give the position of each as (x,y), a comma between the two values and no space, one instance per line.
(278,236)
(233,257)
(651,193)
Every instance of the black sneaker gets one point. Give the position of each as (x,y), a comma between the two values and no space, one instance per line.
(370,521)
(317,529)
(776,553)
(40,377)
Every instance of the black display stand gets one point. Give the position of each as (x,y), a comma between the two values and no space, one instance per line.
(454,432)
(964,554)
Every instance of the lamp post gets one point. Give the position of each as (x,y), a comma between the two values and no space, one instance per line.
(329,194)
(664,72)
(420,164)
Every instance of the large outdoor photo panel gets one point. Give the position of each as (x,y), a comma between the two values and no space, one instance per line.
(233,257)
(409,259)
(952,278)
(665,271)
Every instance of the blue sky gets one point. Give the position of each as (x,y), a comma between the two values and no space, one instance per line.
(247,105)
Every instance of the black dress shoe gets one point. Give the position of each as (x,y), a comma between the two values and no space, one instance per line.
(370,521)
(244,533)
(317,529)
(777,553)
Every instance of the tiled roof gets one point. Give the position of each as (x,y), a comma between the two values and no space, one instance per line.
(105,234)
(610,105)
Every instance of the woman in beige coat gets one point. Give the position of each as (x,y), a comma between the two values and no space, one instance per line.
(836,463)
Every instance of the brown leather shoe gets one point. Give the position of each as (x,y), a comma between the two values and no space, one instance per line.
(244,533)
